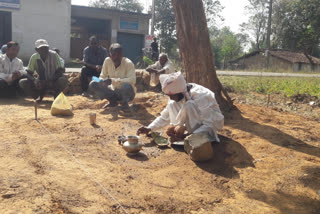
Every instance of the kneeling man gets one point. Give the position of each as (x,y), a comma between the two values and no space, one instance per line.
(118,79)
(191,107)
(47,66)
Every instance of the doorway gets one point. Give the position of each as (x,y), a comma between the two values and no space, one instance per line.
(5,27)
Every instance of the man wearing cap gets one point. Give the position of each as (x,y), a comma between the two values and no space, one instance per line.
(11,71)
(47,66)
(191,107)
(93,58)
(162,66)
(118,79)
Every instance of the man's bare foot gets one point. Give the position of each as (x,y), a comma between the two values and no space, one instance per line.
(39,99)
(85,94)
(110,105)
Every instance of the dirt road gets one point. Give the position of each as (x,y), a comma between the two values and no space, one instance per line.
(244,73)
(268,163)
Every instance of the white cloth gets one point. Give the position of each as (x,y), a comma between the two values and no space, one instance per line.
(167,67)
(200,114)
(173,83)
(125,73)
(8,67)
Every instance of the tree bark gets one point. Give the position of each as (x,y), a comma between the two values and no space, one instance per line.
(197,57)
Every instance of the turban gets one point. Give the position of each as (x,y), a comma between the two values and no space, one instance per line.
(173,83)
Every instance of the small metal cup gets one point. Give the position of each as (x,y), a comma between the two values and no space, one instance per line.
(93,118)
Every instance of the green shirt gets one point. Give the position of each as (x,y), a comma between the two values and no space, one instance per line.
(47,69)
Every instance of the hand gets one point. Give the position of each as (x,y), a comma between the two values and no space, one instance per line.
(179,131)
(108,81)
(170,130)
(16,75)
(151,70)
(143,130)
(98,68)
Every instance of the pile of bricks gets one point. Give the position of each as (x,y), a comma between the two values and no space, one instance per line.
(74,86)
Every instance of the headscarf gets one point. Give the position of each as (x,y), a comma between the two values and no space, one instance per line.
(174,84)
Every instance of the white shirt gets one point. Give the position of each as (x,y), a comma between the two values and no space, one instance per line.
(8,67)
(125,73)
(168,69)
(210,117)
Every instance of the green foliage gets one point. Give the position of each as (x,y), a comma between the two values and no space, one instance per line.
(226,45)
(288,86)
(126,5)
(147,61)
(296,25)
(165,23)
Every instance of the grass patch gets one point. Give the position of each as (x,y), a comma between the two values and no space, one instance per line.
(277,70)
(289,86)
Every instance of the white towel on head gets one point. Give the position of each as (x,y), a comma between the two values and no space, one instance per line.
(173,83)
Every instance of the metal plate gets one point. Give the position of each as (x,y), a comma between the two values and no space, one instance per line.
(178,143)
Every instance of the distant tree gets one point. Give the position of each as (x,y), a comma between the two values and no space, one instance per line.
(165,23)
(257,24)
(226,45)
(297,25)
(127,5)
(165,26)
(213,9)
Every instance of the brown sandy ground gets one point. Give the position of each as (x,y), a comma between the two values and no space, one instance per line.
(269,162)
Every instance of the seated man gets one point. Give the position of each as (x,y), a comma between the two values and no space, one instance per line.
(191,107)
(11,71)
(93,58)
(47,65)
(118,79)
(163,66)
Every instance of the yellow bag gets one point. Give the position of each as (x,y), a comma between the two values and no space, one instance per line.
(61,106)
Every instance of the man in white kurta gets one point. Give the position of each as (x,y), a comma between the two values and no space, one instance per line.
(191,105)
(162,66)
(11,71)
(117,79)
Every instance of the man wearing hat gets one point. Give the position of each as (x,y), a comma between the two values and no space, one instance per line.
(192,108)
(47,66)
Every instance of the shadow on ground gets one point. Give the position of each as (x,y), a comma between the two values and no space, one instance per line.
(269,133)
(135,112)
(227,155)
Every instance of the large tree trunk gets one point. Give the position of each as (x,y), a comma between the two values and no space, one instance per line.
(195,49)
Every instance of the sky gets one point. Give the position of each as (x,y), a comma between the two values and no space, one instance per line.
(233,13)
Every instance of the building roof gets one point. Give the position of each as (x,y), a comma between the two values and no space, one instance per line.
(111,10)
(290,56)
(294,57)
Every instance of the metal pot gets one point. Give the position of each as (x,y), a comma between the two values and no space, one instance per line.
(132,144)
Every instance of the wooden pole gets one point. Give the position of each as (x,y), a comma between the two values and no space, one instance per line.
(36,110)
(153,17)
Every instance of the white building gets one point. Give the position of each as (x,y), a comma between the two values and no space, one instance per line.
(25,21)
(68,28)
